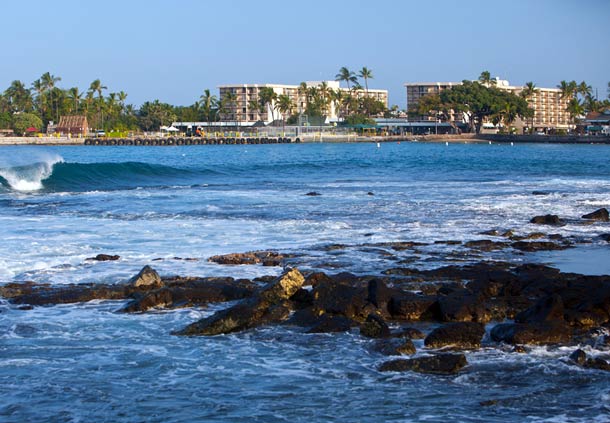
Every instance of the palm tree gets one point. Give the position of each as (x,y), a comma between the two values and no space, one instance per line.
(75,95)
(485,79)
(584,89)
(97,87)
(366,74)
(39,89)
(567,89)
(527,93)
(575,108)
(267,97)
(346,75)
(48,81)
(255,106)
(208,101)
(19,97)
(228,103)
(285,106)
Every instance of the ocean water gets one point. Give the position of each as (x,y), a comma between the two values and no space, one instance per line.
(151,205)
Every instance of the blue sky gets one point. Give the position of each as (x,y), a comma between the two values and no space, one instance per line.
(173,50)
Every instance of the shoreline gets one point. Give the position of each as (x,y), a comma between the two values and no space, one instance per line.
(316,138)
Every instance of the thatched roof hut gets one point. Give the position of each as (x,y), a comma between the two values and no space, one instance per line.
(73,125)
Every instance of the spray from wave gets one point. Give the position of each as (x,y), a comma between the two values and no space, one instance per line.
(27,172)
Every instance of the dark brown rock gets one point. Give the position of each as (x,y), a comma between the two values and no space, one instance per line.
(147,278)
(549,219)
(104,257)
(395,347)
(374,327)
(442,364)
(486,245)
(532,333)
(408,306)
(267,258)
(538,246)
(411,333)
(545,310)
(600,215)
(462,306)
(579,357)
(251,312)
(597,363)
(461,335)
(328,323)
(189,292)
(340,298)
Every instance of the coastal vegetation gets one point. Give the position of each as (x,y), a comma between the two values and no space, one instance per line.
(479,100)
(482,101)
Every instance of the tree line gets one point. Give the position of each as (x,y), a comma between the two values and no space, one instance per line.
(482,101)
(44,101)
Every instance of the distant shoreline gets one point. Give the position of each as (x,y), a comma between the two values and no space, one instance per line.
(307,138)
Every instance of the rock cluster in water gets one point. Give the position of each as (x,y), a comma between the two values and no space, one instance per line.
(527,304)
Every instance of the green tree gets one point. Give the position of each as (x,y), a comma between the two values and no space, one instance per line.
(48,82)
(346,75)
(479,102)
(75,96)
(23,121)
(575,109)
(208,103)
(485,79)
(366,74)
(229,105)
(19,98)
(153,115)
(267,97)
(285,105)
(97,87)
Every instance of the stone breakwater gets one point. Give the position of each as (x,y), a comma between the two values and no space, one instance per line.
(306,138)
(460,307)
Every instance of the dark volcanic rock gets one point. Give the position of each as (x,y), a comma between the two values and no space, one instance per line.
(549,219)
(395,347)
(462,306)
(253,311)
(601,215)
(313,193)
(538,246)
(104,257)
(408,306)
(146,278)
(597,363)
(545,310)
(443,364)
(266,258)
(43,294)
(462,335)
(340,298)
(192,292)
(485,245)
(328,323)
(579,357)
(532,333)
(374,327)
(411,333)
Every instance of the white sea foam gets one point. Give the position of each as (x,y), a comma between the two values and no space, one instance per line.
(27,172)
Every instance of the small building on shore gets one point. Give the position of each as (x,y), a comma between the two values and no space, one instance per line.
(76,126)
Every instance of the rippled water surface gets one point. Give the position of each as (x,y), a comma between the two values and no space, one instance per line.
(85,362)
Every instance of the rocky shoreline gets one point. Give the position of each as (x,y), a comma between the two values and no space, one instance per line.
(455,308)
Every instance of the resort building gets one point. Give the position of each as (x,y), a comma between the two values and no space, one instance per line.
(245,108)
(548,104)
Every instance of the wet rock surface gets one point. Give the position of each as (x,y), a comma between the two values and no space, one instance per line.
(268,305)
(441,364)
(601,215)
(461,335)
